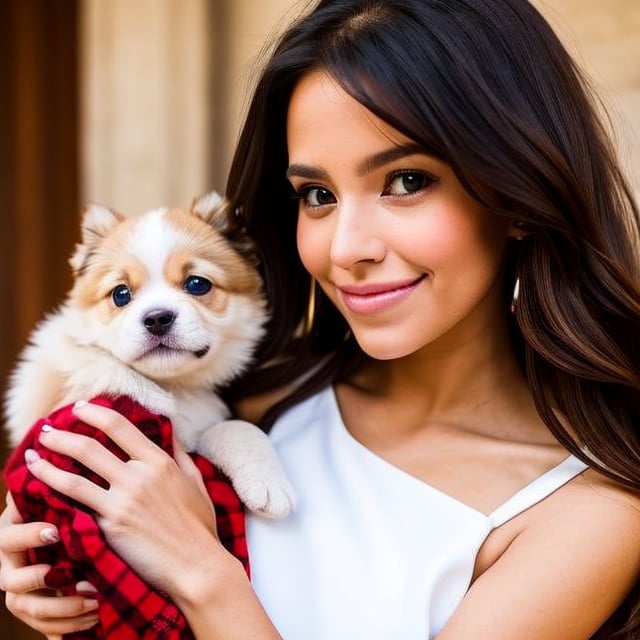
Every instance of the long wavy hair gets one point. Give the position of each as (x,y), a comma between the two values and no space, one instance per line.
(487,87)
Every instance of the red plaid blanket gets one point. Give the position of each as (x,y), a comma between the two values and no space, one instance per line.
(130,609)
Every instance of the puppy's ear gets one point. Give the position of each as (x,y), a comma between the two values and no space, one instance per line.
(214,209)
(97,222)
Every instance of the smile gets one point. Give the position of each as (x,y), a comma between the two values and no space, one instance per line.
(377,297)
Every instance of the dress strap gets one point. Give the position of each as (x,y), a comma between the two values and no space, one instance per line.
(538,489)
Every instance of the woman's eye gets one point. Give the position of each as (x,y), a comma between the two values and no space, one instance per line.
(407,182)
(121,295)
(197,285)
(316,196)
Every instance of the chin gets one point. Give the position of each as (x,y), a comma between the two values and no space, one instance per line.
(386,343)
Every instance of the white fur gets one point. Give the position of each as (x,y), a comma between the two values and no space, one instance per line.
(76,353)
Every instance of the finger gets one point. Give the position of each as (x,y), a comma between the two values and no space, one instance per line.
(88,451)
(69,484)
(86,589)
(23,579)
(11,505)
(46,608)
(22,536)
(46,615)
(188,467)
(184,461)
(10,515)
(114,425)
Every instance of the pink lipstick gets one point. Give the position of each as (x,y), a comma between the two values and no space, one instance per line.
(374,298)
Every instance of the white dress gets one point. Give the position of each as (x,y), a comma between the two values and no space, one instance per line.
(371,553)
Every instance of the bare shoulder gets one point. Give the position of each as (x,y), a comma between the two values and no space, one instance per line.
(568,563)
(591,494)
(593,519)
(591,516)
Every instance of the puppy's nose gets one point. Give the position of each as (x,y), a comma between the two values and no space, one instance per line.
(158,321)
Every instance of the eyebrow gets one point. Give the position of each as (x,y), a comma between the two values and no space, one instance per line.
(368,165)
(378,160)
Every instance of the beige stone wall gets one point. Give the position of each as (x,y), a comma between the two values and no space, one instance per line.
(604,37)
(161,112)
(254,26)
(145,106)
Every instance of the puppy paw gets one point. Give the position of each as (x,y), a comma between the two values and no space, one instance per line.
(246,455)
(269,495)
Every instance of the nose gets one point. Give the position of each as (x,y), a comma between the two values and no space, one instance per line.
(159,321)
(356,237)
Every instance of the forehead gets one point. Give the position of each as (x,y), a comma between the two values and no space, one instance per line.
(321,113)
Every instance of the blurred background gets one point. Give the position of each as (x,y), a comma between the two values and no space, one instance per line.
(137,103)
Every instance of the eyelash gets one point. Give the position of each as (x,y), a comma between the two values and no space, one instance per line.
(428,180)
(302,194)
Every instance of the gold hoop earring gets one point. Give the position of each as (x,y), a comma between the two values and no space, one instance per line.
(516,295)
(311,308)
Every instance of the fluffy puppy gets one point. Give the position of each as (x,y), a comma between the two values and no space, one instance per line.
(164,308)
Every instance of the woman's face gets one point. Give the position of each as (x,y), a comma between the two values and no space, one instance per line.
(407,256)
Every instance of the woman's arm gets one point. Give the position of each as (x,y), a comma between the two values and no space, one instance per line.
(562,576)
(155,513)
(26,595)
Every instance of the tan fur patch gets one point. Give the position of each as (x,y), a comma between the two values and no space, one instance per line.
(109,270)
(181,264)
(200,250)
(204,242)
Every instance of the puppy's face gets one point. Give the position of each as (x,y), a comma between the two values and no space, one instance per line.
(166,294)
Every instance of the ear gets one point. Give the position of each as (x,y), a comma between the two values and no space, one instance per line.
(214,209)
(97,222)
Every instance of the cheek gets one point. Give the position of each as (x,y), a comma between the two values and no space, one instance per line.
(469,237)
(430,242)
(314,245)
(106,312)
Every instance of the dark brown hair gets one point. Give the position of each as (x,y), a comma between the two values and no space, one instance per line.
(486,86)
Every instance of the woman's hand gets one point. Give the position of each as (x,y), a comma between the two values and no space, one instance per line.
(27,598)
(155,512)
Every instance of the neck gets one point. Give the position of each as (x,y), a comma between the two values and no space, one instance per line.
(476,381)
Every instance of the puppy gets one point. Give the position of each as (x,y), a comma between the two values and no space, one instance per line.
(164,308)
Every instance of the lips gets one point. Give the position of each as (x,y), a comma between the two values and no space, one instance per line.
(373,298)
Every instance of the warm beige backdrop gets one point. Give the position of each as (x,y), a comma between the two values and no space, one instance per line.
(604,36)
(165,83)
(162,86)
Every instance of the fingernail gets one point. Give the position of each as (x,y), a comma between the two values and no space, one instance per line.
(46,428)
(85,587)
(89,604)
(31,456)
(92,622)
(50,535)
(79,404)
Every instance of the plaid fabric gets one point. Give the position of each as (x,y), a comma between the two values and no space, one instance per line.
(130,609)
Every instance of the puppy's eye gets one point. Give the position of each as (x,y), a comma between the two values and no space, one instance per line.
(197,285)
(121,295)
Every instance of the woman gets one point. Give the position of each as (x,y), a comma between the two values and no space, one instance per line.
(457,405)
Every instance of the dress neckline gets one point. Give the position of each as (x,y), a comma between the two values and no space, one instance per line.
(528,495)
